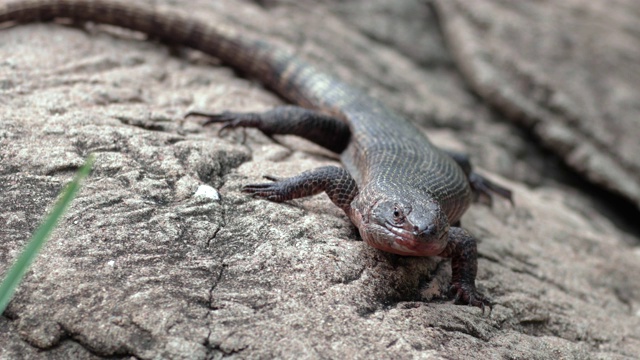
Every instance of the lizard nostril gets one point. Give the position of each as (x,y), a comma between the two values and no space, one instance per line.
(424,230)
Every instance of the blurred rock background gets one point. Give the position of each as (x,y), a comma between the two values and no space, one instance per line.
(542,95)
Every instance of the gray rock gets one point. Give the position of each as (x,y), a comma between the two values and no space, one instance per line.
(568,71)
(142,267)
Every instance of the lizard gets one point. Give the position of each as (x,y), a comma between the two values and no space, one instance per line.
(404,195)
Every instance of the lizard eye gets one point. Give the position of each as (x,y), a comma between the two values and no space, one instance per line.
(398,215)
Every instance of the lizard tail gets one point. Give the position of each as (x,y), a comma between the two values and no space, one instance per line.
(277,69)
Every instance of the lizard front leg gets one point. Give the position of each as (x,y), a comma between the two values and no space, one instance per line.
(317,127)
(334,181)
(324,130)
(463,251)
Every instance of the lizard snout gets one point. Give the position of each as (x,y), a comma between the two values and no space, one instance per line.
(427,229)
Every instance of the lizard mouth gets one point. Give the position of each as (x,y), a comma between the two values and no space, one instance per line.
(401,234)
(410,235)
(417,244)
(402,242)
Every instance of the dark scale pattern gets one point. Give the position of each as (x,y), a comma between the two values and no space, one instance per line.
(385,156)
(334,181)
(395,158)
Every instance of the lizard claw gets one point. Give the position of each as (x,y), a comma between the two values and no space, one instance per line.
(272,178)
(272,191)
(465,294)
(214,118)
(230,120)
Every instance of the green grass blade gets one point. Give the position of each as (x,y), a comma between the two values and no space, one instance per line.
(20,267)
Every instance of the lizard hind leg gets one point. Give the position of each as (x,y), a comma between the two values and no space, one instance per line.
(483,188)
(324,130)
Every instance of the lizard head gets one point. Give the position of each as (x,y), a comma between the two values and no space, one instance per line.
(416,228)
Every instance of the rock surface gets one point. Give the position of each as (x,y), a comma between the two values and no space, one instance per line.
(566,70)
(161,256)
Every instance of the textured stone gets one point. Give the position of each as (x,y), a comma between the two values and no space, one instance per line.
(143,267)
(565,70)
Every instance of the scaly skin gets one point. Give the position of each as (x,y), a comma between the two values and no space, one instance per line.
(403,194)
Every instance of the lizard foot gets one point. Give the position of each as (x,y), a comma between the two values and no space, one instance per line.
(230,120)
(275,191)
(466,294)
(485,189)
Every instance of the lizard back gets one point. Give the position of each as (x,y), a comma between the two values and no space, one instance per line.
(387,154)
